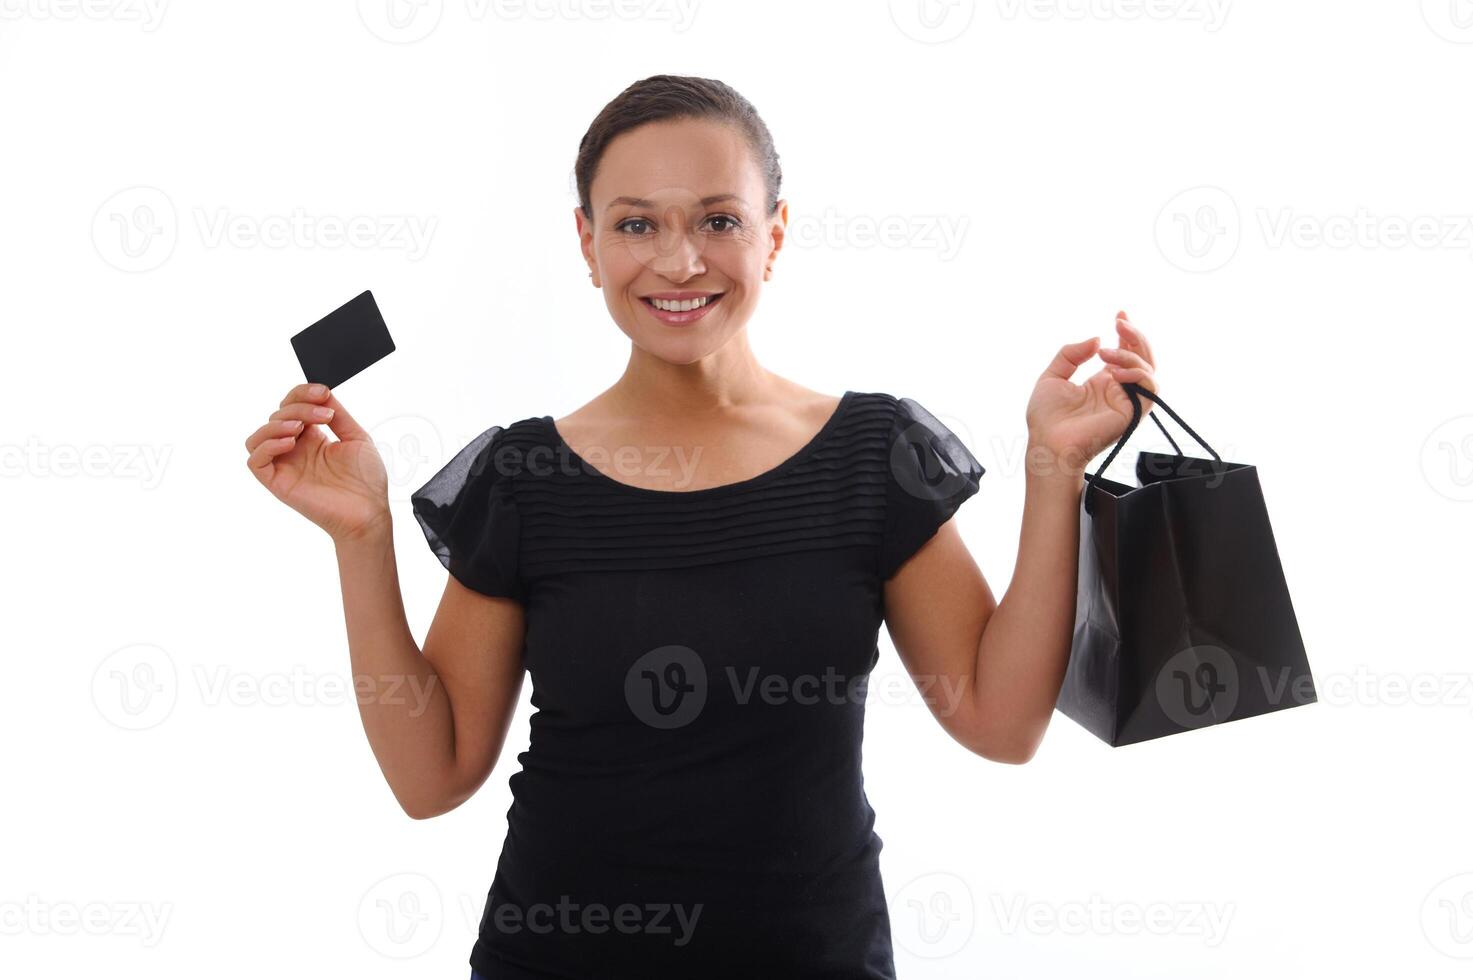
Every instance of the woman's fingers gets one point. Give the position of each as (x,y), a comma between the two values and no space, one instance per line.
(1069,357)
(1132,338)
(307,393)
(302,406)
(343,425)
(317,403)
(304,412)
(1119,357)
(274,429)
(1140,376)
(263,454)
(291,419)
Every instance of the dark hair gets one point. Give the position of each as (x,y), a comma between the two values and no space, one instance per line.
(664,97)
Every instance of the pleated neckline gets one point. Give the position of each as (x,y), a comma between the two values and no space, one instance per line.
(705,493)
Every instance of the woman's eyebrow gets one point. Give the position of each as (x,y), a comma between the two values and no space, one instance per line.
(640,202)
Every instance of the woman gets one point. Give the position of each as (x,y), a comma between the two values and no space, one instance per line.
(698,618)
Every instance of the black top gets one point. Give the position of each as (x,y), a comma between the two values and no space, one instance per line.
(691,803)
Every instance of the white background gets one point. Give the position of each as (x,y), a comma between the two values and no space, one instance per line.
(1240,177)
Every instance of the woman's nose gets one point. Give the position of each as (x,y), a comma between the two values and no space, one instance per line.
(678,255)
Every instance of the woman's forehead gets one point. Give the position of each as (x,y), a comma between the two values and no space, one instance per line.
(690,160)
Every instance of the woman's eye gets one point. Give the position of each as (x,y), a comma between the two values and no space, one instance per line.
(640,226)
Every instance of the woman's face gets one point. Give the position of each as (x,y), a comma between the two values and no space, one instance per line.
(678,213)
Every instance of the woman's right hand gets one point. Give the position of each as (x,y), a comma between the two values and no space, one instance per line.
(339,485)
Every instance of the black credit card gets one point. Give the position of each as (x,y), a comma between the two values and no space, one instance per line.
(344,342)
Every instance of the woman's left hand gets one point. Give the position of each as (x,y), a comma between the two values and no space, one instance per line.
(1074,423)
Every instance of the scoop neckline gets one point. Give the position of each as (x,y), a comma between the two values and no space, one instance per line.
(720,489)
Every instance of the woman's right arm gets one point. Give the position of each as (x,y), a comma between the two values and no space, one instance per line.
(435,719)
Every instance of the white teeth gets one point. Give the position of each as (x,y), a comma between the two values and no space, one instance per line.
(679,306)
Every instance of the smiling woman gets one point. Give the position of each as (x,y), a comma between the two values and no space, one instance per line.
(675,816)
(695,241)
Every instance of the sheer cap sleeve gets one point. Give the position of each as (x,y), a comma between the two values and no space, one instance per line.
(469,517)
(930,473)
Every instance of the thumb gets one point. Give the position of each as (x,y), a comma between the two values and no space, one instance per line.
(342,423)
(1069,357)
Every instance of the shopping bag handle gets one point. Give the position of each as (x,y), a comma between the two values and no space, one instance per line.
(1135,391)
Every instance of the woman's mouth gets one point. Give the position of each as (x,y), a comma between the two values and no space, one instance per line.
(680,312)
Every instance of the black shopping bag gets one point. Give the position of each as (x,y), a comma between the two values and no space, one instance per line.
(1183,617)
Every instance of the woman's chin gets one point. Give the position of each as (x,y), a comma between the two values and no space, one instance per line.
(683,349)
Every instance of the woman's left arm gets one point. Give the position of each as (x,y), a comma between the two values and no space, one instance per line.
(991,671)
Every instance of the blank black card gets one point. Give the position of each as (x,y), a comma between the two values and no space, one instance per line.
(344,342)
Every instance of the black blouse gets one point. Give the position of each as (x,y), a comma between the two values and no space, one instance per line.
(691,803)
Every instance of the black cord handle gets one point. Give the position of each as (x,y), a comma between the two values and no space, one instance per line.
(1135,391)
